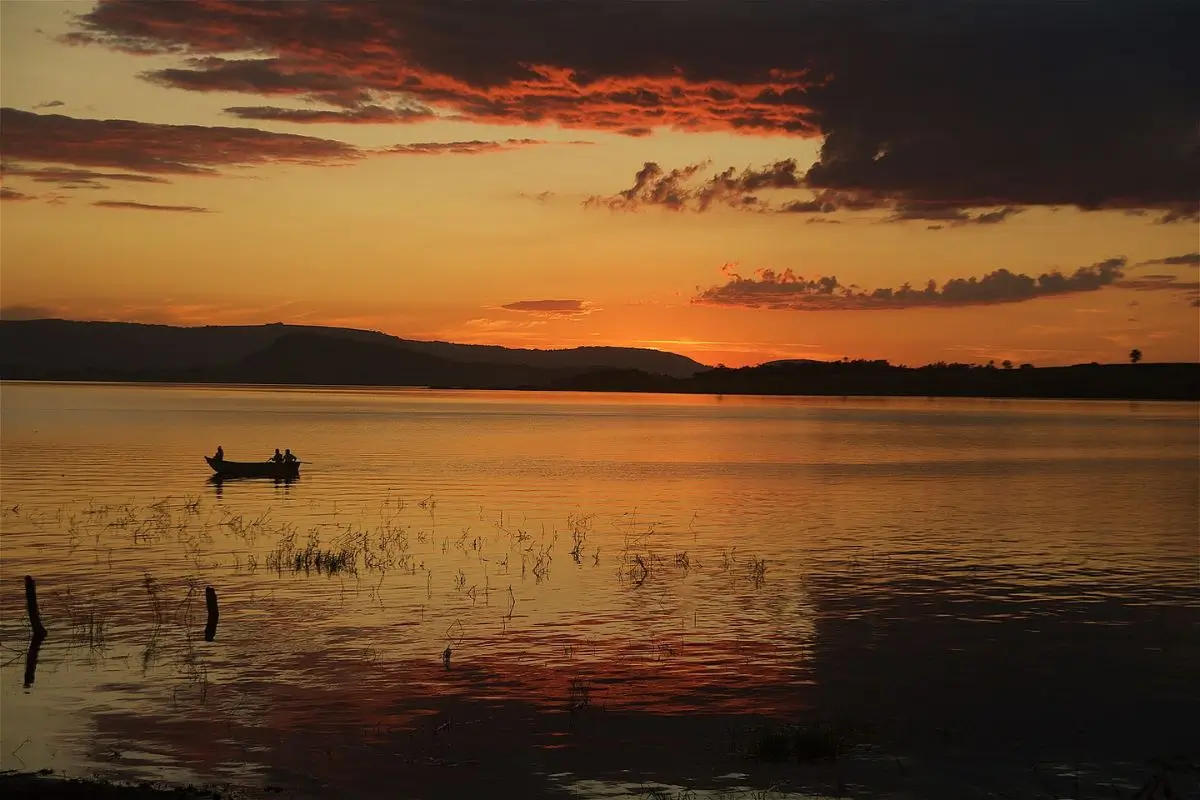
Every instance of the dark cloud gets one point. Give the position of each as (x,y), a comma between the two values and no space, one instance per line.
(987,105)
(950,215)
(474,147)
(1158,283)
(18,311)
(150,206)
(652,186)
(688,189)
(156,148)
(67,178)
(51,104)
(364,114)
(1181,213)
(786,290)
(551,307)
(12,194)
(1184,260)
(678,190)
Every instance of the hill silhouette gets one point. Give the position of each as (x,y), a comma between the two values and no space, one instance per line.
(291,354)
(68,350)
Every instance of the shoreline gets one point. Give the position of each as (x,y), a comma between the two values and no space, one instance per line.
(657,391)
(19,785)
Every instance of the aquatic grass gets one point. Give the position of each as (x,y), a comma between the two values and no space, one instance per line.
(87,621)
(310,558)
(580,526)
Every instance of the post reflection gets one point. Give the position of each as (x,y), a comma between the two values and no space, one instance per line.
(31,657)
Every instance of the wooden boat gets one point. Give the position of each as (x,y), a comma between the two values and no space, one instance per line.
(254,469)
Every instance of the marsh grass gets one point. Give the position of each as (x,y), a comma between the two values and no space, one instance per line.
(87,620)
(579,526)
(311,557)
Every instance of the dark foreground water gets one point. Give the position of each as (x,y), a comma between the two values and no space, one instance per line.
(640,594)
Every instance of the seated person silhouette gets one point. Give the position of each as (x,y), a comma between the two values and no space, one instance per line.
(289,458)
(278,457)
(220,456)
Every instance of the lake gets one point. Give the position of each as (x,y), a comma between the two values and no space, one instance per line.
(642,596)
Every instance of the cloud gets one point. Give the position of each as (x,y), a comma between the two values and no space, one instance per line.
(1158,282)
(364,114)
(51,104)
(474,147)
(980,105)
(19,311)
(688,188)
(561,308)
(1181,213)
(67,178)
(155,148)
(158,149)
(652,186)
(950,215)
(785,290)
(12,194)
(150,206)
(1184,260)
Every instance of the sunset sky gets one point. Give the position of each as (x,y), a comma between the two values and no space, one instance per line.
(737,182)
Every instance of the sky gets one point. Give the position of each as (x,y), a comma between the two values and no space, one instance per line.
(737,182)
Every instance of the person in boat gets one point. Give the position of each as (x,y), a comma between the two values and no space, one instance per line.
(278,457)
(289,457)
(220,456)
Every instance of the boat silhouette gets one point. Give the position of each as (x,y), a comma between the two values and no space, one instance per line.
(254,469)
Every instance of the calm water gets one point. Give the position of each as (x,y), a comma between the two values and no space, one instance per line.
(1001,598)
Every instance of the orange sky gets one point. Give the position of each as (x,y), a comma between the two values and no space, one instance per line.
(353,226)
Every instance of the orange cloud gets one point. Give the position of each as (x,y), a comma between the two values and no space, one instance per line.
(559,308)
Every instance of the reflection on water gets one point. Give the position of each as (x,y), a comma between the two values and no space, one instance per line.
(635,592)
(217,482)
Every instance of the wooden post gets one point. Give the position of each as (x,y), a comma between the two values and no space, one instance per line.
(35,619)
(210,599)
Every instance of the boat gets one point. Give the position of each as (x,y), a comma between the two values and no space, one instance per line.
(254,469)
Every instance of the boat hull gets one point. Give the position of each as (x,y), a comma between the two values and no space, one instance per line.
(254,469)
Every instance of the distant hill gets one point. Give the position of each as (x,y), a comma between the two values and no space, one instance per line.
(122,350)
(295,354)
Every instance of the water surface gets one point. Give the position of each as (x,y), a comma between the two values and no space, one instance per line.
(1000,598)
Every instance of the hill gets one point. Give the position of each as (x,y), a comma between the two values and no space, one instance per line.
(62,349)
(292,354)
